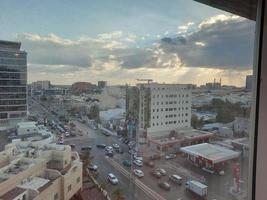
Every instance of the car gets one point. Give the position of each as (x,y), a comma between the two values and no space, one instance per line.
(127,163)
(161,171)
(109,148)
(132,152)
(101,146)
(138,163)
(138,157)
(149,164)
(138,173)
(116,146)
(86,148)
(176,179)
(112,179)
(60,142)
(156,174)
(109,153)
(92,167)
(164,185)
(170,156)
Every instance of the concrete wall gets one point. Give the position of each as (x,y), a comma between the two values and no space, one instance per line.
(50,192)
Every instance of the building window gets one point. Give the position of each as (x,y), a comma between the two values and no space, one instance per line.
(56,196)
(78,179)
(69,188)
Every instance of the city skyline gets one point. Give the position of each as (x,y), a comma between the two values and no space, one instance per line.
(173,47)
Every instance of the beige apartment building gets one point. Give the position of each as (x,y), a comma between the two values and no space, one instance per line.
(39,172)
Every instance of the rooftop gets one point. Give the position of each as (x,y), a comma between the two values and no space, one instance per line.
(11,194)
(34,183)
(9,44)
(211,152)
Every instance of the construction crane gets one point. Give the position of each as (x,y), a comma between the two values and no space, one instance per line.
(148,80)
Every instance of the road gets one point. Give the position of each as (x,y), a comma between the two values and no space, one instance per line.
(147,187)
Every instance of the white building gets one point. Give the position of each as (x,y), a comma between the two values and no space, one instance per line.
(41,85)
(164,107)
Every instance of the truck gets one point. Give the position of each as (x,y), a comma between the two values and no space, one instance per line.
(197,188)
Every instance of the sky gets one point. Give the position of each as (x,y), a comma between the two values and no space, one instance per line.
(174,41)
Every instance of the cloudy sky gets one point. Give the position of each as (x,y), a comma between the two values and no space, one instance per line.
(174,41)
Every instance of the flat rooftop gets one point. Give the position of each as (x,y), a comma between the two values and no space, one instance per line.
(13,193)
(34,183)
(211,152)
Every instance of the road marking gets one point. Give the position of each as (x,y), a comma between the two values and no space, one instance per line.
(147,190)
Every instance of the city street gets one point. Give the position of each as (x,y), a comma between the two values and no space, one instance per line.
(147,186)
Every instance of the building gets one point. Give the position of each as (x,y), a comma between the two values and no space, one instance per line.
(41,85)
(209,157)
(101,84)
(13,83)
(241,126)
(214,86)
(163,108)
(249,81)
(34,172)
(83,87)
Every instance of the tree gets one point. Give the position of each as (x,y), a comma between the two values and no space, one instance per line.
(93,112)
(117,195)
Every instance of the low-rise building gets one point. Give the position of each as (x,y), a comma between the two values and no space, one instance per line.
(31,171)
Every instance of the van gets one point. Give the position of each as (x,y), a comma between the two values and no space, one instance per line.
(176,179)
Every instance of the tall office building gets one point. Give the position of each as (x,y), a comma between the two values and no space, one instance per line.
(13,83)
(164,107)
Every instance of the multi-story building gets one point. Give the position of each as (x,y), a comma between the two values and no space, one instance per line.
(41,85)
(163,108)
(13,83)
(31,171)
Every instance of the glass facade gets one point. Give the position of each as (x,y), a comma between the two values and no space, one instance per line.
(13,82)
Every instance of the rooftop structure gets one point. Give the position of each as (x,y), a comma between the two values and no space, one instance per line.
(213,153)
(39,171)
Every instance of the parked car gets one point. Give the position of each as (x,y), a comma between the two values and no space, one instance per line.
(164,185)
(109,148)
(161,171)
(87,148)
(138,157)
(92,167)
(127,163)
(170,156)
(149,164)
(156,174)
(112,179)
(116,146)
(101,146)
(138,173)
(138,163)
(176,179)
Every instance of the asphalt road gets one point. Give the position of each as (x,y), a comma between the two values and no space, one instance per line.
(147,187)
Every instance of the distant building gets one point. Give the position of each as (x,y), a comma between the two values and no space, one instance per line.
(213,86)
(249,82)
(83,87)
(101,84)
(163,108)
(31,171)
(241,126)
(13,83)
(41,85)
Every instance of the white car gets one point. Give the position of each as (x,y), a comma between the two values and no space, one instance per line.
(112,178)
(139,173)
(138,163)
(116,146)
(162,171)
(138,157)
(109,148)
